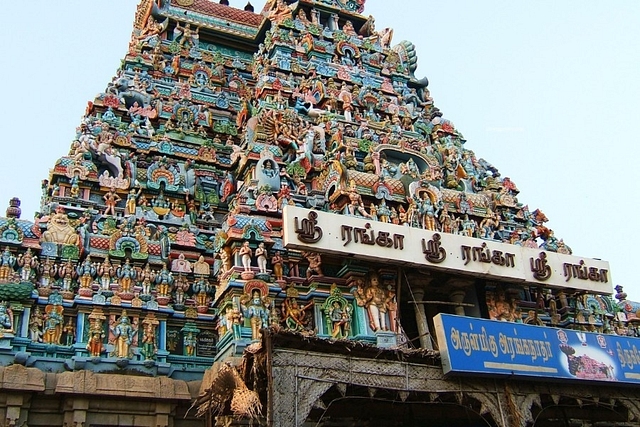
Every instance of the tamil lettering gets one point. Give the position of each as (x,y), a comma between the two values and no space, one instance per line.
(432,250)
(308,230)
(514,346)
(541,271)
(367,236)
(582,272)
(469,342)
(484,254)
(628,357)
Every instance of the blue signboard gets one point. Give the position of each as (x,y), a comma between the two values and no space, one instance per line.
(478,346)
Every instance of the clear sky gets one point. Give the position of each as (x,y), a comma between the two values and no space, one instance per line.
(547,91)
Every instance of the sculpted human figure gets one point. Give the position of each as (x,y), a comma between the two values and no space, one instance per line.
(111,199)
(96,337)
(428,213)
(149,348)
(67,273)
(106,272)
(146,278)
(245,256)
(36,321)
(69,332)
(374,299)
(355,205)
(225,257)
(261,257)
(277,262)
(279,11)
(315,263)
(132,199)
(48,270)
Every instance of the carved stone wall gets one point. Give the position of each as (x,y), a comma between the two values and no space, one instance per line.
(29,396)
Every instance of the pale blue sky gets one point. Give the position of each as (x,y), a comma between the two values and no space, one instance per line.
(547,91)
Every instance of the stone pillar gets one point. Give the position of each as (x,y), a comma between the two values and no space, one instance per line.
(457,297)
(421,319)
(458,292)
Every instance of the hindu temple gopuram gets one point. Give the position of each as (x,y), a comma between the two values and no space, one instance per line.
(265,220)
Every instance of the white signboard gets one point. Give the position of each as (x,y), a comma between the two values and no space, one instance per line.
(401,245)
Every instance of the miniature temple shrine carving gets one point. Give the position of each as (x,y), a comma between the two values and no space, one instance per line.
(278,190)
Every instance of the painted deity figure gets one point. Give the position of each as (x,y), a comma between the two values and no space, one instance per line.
(6,322)
(201,289)
(95,345)
(106,272)
(126,275)
(256,309)
(164,280)
(233,321)
(339,321)
(53,324)
(28,263)
(374,299)
(384,213)
(86,271)
(149,348)
(7,261)
(67,273)
(295,317)
(190,343)
(59,230)
(123,333)
(468,226)
(132,199)
(36,321)
(428,213)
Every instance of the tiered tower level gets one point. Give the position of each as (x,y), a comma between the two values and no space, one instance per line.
(159,244)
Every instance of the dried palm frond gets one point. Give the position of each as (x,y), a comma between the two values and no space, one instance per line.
(228,388)
(246,403)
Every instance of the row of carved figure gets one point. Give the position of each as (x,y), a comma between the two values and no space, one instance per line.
(123,334)
(256,309)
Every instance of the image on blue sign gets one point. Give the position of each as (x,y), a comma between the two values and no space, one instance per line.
(587,356)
